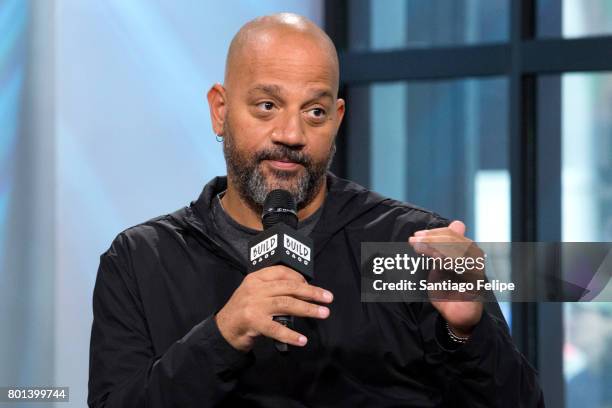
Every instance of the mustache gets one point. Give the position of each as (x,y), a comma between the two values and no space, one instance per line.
(285,154)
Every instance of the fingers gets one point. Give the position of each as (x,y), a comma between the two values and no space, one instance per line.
(277,331)
(423,248)
(277,272)
(300,290)
(454,228)
(442,239)
(458,227)
(281,280)
(437,232)
(440,245)
(290,306)
(280,291)
(425,244)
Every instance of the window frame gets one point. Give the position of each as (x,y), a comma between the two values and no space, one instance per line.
(534,132)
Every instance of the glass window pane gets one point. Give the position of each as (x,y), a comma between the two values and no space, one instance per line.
(441,145)
(587,157)
(586,124)
(574,18)
(390,24)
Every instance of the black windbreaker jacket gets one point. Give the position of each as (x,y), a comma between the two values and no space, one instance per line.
(154,342)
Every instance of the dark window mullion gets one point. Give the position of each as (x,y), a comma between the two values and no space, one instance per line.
(522,169)
(549,155)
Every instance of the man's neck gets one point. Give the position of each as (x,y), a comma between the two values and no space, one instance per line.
(243,214)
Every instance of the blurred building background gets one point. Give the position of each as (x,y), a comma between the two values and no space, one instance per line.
(496,112)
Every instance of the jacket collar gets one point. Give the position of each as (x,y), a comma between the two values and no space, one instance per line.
(345,201)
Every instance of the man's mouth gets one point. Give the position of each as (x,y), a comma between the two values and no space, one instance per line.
(283,164)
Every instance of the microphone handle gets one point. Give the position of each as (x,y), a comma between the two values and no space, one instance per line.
(286,321)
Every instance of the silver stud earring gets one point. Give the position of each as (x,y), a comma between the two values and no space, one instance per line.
(219,138)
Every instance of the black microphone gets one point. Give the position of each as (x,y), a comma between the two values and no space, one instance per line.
(281,244)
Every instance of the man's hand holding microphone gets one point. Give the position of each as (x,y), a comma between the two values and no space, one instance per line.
(276,289)
(272,291)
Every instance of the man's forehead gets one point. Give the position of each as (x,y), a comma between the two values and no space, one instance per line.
(285,72)
(314,90)
(297,53)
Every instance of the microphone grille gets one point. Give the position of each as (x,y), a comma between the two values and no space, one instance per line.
(279,206)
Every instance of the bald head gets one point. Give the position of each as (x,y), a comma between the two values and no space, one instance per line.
(278,111)
(283,36)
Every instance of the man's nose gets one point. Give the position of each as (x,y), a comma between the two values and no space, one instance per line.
(289,130)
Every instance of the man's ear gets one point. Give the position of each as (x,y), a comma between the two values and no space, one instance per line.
(217,102)
(340,109)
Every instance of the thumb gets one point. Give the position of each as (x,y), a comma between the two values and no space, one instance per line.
(458,227)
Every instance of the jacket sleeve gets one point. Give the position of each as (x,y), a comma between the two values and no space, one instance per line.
(487,371)
(199,369)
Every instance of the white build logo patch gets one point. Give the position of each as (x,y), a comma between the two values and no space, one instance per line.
(296,249)
(265,248)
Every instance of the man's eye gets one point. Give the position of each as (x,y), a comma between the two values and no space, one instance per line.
(266,106)
(317,113)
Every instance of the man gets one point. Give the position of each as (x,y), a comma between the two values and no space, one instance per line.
(178,323)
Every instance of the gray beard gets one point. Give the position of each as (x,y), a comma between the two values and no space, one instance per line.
(258,188)
(252,185)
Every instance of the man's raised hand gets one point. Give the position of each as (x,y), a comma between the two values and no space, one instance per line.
(450,242)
